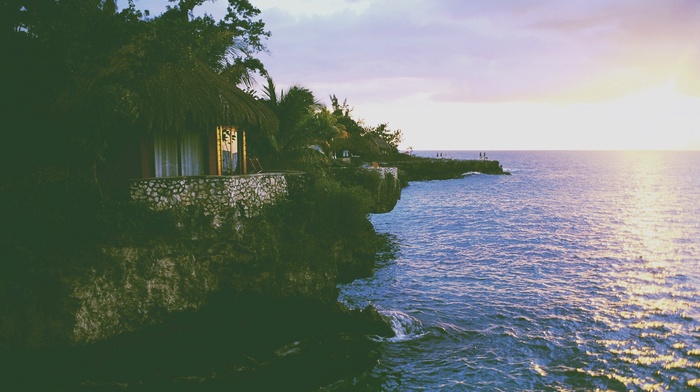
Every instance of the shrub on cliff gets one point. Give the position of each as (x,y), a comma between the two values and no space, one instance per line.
(299,248)
(383,192)
(322,222)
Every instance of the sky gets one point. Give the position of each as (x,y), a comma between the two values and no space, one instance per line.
(497,74)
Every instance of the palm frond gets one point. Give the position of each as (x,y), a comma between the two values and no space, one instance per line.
(192,95)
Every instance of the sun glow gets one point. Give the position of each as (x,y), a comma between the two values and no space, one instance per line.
(658,118)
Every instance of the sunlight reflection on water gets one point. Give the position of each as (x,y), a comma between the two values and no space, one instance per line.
(655,304)
(581,271)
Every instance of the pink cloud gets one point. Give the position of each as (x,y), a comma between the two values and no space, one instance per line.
(488,51)
(485,51)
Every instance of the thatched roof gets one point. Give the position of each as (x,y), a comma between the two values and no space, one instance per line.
(179,97)
(381,144)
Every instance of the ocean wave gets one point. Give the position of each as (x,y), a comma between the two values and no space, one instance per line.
(405,326)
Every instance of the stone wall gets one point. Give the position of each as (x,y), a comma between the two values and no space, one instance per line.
(383,171)
(214,194)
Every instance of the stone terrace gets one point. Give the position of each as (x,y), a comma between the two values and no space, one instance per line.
(246,193)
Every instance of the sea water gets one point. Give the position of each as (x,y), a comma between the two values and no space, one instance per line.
(581,271)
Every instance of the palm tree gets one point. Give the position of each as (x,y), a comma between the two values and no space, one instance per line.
(176,84)
(305,127)
(81,78)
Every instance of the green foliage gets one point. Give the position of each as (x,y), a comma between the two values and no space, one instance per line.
(78,76)
(44,231)
(321,227)
(324,210)
(413,168)
(364,140)
(232,41)
(385,139)
(353,129)
(358,177)
(383,194)
(306,130)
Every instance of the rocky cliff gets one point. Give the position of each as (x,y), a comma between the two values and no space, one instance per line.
(141,281)
(300,247)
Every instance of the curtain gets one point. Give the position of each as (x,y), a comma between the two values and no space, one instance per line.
(178,156)
(191,154)
(166,156)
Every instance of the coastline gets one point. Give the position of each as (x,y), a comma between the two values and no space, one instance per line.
(416,168)
(276,306)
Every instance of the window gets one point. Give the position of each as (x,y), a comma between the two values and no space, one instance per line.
(229,150)
(181,155)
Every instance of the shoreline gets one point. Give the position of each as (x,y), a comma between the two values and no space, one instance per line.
(277,303)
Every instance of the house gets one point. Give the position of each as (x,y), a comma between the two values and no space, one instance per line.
(219,151)
(380,144)
(191,122)
(199,127)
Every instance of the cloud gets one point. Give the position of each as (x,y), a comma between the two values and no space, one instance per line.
(496,74)
(492,51)
(479,51)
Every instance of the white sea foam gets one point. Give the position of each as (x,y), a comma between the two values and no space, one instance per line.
(405,326)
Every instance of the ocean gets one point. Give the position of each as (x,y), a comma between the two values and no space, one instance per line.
(580,271)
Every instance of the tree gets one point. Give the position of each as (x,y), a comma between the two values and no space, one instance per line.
(385,139)
(306,127)
(78,80)
(364,139)
(354,129)
(81,75)
(54,102)
(227,46)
